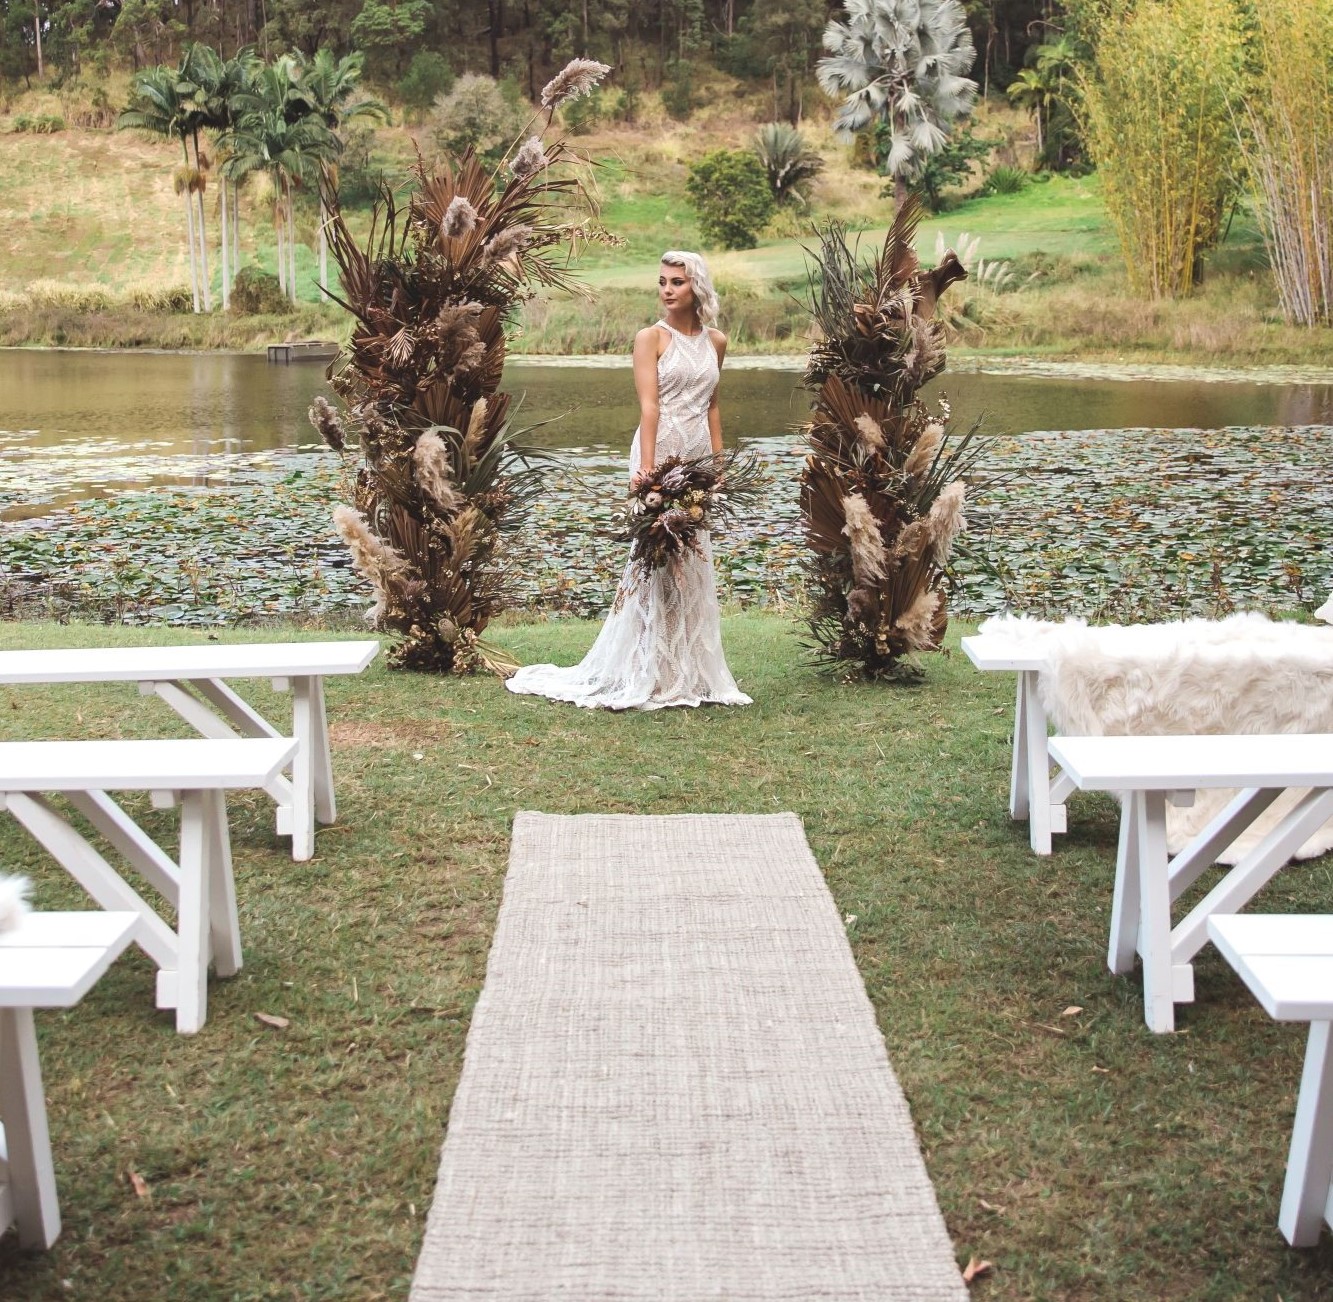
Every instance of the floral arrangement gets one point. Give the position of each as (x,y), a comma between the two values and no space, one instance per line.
(681,499)
(435,476)
(883,487)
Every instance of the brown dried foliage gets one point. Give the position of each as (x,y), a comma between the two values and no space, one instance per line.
(881,490)
(439,478)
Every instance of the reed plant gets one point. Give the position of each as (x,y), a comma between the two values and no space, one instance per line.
(1157,103)
(1287,133)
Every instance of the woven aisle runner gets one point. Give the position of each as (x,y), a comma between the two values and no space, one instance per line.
(674,1087)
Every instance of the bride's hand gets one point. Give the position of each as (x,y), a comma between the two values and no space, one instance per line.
(638,479)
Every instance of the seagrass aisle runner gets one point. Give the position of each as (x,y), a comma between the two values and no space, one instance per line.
(674,1087)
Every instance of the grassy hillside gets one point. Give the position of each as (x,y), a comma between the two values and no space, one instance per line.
(94,232)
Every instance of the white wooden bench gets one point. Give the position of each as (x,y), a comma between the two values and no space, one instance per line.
(1287,961)
(192,680)
(196,773)
(50,960)
(1033,793)
(1150,769)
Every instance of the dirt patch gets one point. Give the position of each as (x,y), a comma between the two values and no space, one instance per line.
(388,734)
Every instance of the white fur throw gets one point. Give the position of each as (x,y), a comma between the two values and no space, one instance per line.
(13,901)
(1325,612)
(1242,674)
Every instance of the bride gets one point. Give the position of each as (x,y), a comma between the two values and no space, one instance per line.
(661,644)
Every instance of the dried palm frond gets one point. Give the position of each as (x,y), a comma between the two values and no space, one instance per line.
(442,476)
(882,490)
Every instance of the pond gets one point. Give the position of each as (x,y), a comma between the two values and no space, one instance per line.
(188,488)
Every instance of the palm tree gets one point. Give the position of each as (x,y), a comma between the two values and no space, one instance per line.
(276,133)
(327,85)
(902,62)
(159,106)
(1047,84)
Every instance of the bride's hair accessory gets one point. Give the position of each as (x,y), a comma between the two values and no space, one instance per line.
(705,296)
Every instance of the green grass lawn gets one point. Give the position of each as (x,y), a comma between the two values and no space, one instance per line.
(1082,1155)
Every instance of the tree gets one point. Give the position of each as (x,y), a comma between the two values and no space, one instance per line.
(1046,89)
(277,134)
(1289,126)
(329,86)
(729,191)
(389,31)
(1158,105)
(787,160)
(162,105)
(786,33)
(902,62)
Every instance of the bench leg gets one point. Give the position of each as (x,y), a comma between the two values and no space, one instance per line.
(321,759)
(224,921)
(1018,767)
(193,927)
(1125,901)
(1038,766)
(303,772)
(1159,1008)
(1306,1195)
(32,1176)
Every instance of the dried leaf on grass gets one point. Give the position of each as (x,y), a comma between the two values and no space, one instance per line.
(140,1185)
(975,1268)
(1072,1011)
(269,1019)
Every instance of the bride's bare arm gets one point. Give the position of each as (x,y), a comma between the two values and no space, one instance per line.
(645,385)
(715,412)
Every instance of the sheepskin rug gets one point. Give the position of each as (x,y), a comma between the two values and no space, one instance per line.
(1242,674)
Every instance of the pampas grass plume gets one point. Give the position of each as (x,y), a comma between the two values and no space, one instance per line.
(871,432)
(922,456)
(460,217)
(372,557)
(13,901)
(430,459)
(946,520)
(869,561)
(915,624)
(476,428)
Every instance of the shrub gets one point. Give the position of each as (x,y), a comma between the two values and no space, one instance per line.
(71,297)
(582,114)
(428,77)
(39,124)
(1006,179)
(678,92)
(475,113)
(786,159)
(729,191)
(172,298)
(257,293)
(949,165)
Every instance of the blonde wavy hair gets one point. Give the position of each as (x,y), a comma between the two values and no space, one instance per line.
(705,296)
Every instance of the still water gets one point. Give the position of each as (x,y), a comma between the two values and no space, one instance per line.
(80,424)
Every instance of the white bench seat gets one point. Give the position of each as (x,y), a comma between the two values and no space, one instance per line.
(1150,769)
(192,681)
(50,960)
(195,773)
(1287,961)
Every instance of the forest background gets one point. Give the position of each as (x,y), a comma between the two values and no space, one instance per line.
(96,254)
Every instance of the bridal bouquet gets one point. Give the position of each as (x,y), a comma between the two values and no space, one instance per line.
(683,497)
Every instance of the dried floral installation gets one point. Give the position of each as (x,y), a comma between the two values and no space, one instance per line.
(882,489)
(436,476)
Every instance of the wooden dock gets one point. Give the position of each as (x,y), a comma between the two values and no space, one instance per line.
(304,350)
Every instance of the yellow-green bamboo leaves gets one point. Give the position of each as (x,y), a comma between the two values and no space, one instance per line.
(1289,149)
(1159,103)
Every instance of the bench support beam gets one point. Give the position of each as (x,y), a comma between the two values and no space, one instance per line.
(1307,1195)
(27,1141)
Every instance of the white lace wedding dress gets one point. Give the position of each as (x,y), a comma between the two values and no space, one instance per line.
(661,644)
